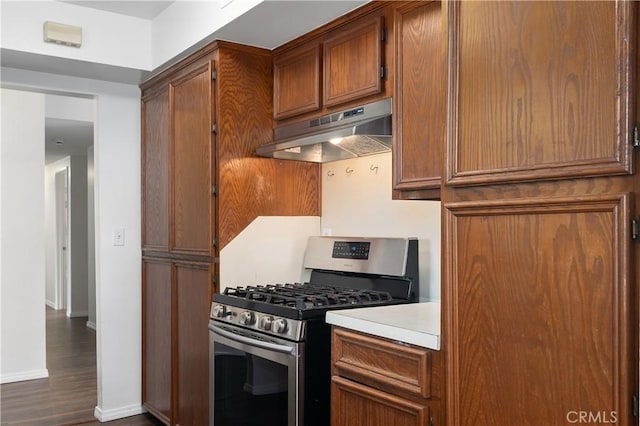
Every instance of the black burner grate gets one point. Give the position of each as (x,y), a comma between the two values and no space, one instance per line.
(307,296)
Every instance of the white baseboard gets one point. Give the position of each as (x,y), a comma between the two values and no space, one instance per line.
(78,314)
(51,304)
(91,325)
(23,376)
(118,413)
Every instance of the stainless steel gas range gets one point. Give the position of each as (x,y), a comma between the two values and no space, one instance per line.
(269,344)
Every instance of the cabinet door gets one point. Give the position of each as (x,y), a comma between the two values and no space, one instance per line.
(191,152)
(538,310)
(156,338)
(353,404)
(193,302)
(296,81)
(420,97)
(353,61)
(155,170)
(539,90)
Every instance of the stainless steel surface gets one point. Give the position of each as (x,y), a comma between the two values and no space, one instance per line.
(355,132)
(280,326)
(287,328)
(289,354)
(248,340)
(387,256)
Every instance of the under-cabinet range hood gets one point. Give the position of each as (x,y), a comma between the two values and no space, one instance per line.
(355,132)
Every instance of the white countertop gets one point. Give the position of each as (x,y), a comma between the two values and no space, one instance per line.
(414,323)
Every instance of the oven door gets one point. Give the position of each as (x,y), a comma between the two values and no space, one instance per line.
(255,379)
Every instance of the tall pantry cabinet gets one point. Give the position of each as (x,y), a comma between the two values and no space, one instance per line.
(540,268)
(202,120)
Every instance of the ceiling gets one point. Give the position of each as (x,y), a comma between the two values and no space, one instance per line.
(137,8)
(64,137)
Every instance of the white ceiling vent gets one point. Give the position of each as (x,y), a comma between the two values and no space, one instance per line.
(68,35)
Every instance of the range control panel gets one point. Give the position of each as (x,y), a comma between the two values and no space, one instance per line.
(351,250)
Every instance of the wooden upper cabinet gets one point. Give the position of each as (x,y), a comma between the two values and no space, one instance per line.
(539,90)
(296,81)
(190,98)
(420,99)
(353,57)
(155,169)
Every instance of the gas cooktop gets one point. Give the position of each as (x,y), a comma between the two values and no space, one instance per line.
(299,300)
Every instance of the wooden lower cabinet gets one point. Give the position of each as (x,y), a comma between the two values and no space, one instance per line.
(379,382)
(354,404)
(176,302)
(156,340)
(192,305)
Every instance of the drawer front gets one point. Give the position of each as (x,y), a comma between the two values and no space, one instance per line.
(381,363)
(353,404)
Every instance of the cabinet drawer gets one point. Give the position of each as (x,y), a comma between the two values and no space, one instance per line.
(381,363)
(353,404)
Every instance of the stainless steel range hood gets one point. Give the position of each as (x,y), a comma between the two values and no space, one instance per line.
(356,132)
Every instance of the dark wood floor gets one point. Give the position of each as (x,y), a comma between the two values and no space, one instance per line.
(68,396)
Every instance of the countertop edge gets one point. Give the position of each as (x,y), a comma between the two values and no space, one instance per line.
(425,340)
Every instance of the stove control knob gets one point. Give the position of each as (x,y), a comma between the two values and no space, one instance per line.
(280,326)
(247,318)
(265,322)
(219,311)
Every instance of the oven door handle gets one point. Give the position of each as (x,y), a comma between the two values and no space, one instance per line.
(252,342)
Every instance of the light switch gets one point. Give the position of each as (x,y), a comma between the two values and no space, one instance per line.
(118,236)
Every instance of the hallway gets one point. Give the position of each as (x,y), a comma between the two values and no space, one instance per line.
(68,396)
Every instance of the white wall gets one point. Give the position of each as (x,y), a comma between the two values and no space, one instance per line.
(107,38)
(275,246)
(117,205)
(51,266)
(78,237)
(359,204)
(91,242)
(22,355)
(68,108)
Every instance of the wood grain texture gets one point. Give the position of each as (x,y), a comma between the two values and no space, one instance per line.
(382,9)
(296,81)
(156,337)
(352,61)
(353,404)
(250,186)
(539,90)
(190,99)
(191,362)
(419,97)
(382,364)
(155,171)
(538,316)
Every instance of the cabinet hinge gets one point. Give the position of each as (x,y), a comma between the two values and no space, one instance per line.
(383,35)
(635,405)
(635,229)
(214,74)
(214,241)
(214,128)
(635,140)
(383,72)
(214,279)
(214,190)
